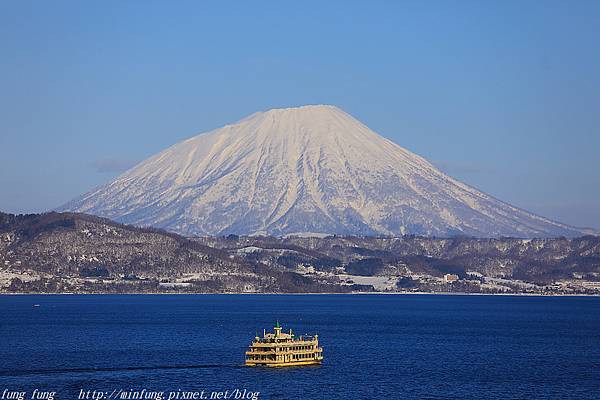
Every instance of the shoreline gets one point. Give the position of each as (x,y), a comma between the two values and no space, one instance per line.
(306,294)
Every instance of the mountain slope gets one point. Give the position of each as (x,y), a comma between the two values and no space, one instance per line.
(307,170)
(66,252)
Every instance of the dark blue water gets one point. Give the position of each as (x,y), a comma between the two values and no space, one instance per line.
(383,347)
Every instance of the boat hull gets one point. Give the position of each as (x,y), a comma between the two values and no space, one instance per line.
(283,364)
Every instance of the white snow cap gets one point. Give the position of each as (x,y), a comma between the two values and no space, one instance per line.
(305,170)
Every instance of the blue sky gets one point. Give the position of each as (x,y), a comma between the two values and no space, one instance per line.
(504,95)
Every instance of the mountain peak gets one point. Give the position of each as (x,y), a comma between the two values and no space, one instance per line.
(308,124)
(307,114)
(305,108)
(310,170)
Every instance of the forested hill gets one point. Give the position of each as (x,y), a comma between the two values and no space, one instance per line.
(67,252)
(56,252)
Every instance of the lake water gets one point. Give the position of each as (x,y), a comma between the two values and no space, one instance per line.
(375,346)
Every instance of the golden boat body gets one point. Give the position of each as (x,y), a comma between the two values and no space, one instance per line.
(279,349)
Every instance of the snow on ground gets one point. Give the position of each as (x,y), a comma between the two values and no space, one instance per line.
(501,281)
(7,276)
(249,249)
(380,283)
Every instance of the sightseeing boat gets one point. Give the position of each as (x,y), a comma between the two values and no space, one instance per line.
(279,349)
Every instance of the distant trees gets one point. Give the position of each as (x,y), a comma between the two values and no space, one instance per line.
(365,267)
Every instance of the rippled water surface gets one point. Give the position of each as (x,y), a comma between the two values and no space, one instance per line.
(382,347)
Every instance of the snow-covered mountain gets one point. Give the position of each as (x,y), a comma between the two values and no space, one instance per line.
(307,170)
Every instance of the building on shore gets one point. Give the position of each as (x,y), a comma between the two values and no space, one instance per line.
(449,278)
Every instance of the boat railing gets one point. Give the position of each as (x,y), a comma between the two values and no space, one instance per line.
(307,339)
(285,350)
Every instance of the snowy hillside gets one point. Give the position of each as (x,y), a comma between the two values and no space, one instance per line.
(307,170)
